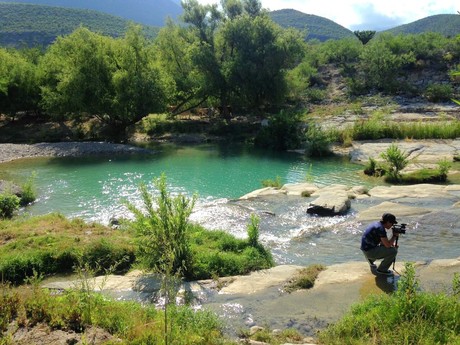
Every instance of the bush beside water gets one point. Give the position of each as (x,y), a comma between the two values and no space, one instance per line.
(409,316)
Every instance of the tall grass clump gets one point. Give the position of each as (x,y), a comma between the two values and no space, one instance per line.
(408,316)
(396,161)
(29,193)
(376,128)
(276,183)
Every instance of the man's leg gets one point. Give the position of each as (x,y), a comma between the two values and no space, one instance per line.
(381,252)
(388,255)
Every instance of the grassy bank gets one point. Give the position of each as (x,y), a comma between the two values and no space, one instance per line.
(408,316)
(52,244)
(125,322)
(374,129)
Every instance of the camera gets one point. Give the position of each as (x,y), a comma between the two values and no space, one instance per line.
(399,229)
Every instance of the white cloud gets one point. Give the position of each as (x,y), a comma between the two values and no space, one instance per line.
(365,14)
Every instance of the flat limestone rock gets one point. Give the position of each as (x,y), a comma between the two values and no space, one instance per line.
(263,192)
(423,190)
(421,151)
(375,212)
(300,189)
(260,280)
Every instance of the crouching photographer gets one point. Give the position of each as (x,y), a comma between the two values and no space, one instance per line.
(376,245)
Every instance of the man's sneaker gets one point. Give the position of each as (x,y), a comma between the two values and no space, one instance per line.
(373,267)
(386,273)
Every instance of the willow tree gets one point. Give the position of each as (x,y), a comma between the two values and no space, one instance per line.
(114,80)
(19,90)
(234,56)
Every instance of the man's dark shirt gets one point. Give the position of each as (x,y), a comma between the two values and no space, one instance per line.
(372,235)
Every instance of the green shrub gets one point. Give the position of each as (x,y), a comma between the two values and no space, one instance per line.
(317,141)
(282,132)
(439,93)
(163,231)
(372,168)
(396,160)
(9,203)
(29,193)
(443,167)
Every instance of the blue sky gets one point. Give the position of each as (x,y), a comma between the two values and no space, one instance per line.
(365,14)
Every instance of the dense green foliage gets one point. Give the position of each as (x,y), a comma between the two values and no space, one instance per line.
(282,132)
(409,316)
(172,246)
(364,36)
(9,203)
(234,59)
(59,245)
(223,63)
(31,25)
(314,27)
(113,80)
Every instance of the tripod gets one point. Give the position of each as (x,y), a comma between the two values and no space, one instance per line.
(394,260)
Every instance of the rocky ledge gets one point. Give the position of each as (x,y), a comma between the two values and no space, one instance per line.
(9,152)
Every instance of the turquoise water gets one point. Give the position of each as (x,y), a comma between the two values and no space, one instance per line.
(94,187)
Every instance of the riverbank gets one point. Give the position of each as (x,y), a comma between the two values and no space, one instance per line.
(10,152)
(260,300)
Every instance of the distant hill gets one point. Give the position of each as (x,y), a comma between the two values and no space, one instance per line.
(317,27)
(446,24)
(40,25)
(148,12)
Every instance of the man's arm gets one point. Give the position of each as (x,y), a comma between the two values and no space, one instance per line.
(389,242)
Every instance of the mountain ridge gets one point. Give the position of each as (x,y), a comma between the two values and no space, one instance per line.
(30,24)
(152,13)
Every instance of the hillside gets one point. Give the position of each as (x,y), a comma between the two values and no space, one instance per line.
(148,12)
(316,27)
(36,24)
(446,24)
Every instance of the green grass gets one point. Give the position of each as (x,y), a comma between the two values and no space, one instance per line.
(218,253)
(50,244)
(376,129)
(276,183)
(305,278)
(54,244)
(408,316)
(131,322)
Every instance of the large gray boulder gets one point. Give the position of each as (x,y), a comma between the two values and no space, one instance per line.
(331,201)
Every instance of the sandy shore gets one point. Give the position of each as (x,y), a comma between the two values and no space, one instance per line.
(9,152)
